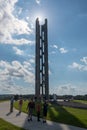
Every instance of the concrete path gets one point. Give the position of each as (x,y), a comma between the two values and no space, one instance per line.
(21,120)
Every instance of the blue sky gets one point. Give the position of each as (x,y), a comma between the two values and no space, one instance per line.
(67,45)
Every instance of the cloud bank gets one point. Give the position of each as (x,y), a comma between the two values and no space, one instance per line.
(15,71)
(11,25)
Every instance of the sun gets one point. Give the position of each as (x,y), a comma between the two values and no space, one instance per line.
(40,17)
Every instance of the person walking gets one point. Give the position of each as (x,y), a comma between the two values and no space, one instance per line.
(45,109)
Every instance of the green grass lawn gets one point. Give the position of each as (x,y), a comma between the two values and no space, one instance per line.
(66,115)
(7,126)
(80,101)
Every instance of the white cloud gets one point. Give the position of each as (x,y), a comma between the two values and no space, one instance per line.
(63,50)
(16,89)
(65,89)
(38,1)
(84,60)
(32,56)
(18,51)
(16,70)
(32,60)
(69,89)
(11,25)
(81,67)
(76,66)
(27,65)
(54,46)
(50,72)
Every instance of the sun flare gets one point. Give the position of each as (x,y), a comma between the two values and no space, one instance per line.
(40,17)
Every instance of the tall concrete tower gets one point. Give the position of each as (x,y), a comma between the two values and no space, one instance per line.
(41,68)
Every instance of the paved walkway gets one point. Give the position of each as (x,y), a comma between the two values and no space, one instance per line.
(21,120)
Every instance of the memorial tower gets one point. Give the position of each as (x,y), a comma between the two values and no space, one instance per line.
(41,59)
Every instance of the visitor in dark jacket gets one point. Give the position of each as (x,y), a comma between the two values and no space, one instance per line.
(45,109)
(30,108)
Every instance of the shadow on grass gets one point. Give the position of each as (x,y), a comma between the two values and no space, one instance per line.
(60,114)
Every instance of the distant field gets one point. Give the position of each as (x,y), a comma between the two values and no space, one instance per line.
(66,115)
(80,101)
(7,126)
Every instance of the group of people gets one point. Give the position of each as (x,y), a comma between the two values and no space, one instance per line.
(31,107)
(38,108)
(12,103)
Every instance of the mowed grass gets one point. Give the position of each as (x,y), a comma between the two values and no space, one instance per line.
(66,115)
(80,101)
(7,126)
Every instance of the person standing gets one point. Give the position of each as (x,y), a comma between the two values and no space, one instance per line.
(30,108)
(45,109)
(20,104)
(11,104)
(38,110)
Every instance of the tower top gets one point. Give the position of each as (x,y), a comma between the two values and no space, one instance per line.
(38,20)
